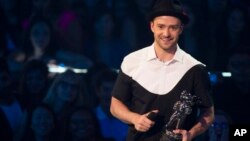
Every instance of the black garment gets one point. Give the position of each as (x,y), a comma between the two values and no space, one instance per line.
(141,101)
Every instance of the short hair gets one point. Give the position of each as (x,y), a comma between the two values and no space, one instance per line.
(51,96)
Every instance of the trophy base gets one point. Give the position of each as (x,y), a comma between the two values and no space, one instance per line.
(170,136)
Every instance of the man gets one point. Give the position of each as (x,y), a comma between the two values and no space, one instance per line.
(110,127)
(11,109)
(152,79)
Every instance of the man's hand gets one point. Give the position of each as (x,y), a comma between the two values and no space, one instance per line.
(186,136)
(142,123)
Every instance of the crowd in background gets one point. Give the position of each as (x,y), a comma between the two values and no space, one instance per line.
(96,35)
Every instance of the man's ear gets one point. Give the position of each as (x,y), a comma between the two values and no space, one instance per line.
(181,29)
(151,26)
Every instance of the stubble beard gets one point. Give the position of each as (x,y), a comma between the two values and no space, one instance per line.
(170,47)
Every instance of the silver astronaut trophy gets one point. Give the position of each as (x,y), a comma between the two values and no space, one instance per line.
(182,108)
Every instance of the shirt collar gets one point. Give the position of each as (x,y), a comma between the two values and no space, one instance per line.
(177,57)
(151,53)
(178,54)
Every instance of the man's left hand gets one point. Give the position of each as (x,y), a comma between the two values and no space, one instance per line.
(186,136)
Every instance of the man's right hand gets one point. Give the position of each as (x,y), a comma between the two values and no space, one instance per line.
(142,123)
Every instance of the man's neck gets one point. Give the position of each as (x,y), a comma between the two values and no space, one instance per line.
(165,55)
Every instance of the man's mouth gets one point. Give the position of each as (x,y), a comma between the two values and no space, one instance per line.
(166,40)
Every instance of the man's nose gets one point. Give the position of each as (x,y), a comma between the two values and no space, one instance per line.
(166,32)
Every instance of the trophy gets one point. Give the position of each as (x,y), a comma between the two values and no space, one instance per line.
(182,108)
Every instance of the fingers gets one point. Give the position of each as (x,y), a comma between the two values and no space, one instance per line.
(142,127)
(152,115)
(143,124)
(148,122)
(154,111)
(185,134)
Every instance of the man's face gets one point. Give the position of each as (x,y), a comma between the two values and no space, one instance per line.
(42,122)
(166,30)
(40,35)
(67,91)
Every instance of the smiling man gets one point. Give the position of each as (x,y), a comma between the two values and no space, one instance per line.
(153,78)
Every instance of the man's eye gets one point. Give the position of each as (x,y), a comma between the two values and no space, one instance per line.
(160,26)
(174,27)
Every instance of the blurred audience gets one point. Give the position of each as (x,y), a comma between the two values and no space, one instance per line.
(10,16)
(82,125)
(91,80)
(110,126)
(11,109)
(190,39)
(41,124)
(64,94)
(126,22)
(95,35)
(39,40)
(107,47)
(34,83)
(144,36)
(233,95)
(234,36)
(215,14)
